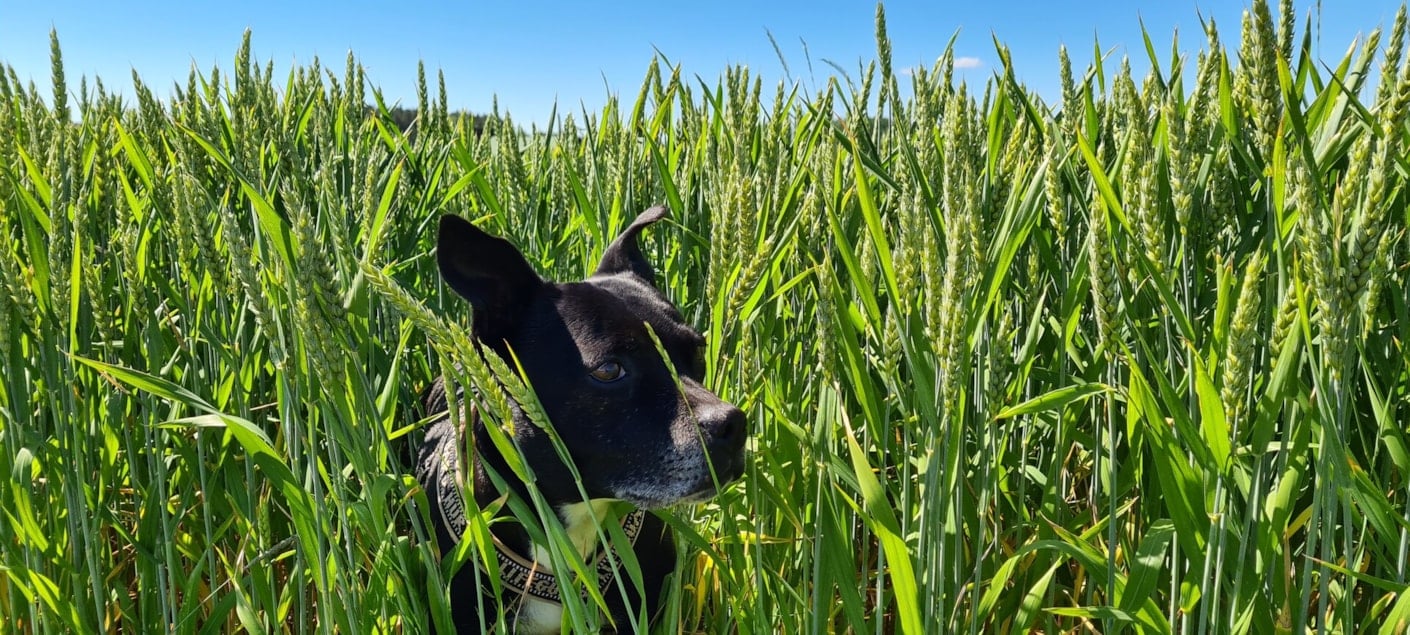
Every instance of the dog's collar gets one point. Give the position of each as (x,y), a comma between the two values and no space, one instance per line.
(525,577)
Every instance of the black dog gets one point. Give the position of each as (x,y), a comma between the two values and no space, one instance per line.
(633,434)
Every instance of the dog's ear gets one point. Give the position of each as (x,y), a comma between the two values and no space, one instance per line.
(623,255)
(486,270)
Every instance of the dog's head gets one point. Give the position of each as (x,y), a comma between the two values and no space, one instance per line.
(585,348)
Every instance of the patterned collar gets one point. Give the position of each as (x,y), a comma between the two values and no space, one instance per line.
(525,577)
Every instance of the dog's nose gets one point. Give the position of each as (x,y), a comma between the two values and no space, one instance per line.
(725,428)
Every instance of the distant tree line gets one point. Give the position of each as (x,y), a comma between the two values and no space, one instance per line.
(405,118)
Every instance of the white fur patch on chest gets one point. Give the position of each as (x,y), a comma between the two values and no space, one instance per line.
(580,522)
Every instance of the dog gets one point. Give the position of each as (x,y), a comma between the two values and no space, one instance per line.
(634,434)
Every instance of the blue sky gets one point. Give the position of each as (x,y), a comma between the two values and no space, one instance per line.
(532,53)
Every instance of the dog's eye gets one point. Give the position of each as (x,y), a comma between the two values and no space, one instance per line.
(608,372)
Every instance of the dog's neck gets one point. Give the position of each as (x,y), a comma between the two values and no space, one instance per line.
(581,523)
(580,520)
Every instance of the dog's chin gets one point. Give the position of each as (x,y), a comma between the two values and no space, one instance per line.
(654,501)
(705,493)
(659,499)
(690,486)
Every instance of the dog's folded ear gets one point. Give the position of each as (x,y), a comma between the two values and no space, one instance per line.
(486,270)
(624,256)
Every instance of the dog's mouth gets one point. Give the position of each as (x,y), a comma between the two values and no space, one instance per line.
(705,493)
(696,489)
(709,488)
(726,471)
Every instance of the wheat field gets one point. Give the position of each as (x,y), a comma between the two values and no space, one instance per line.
(1128,360)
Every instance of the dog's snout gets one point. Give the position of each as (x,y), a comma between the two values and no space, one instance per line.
(726,427)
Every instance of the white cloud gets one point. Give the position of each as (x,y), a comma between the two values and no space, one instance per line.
(968,62)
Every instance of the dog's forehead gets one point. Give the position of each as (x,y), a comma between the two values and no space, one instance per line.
(618,305)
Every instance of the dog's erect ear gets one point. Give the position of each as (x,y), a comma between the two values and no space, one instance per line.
(486,270)
(623,255)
